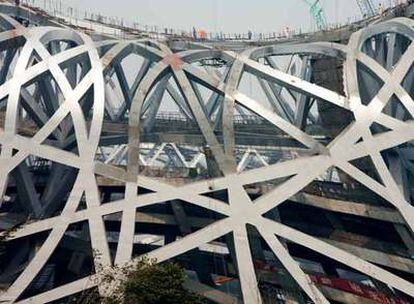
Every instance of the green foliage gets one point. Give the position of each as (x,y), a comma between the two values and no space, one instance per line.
(152,284)
(145,282)
(4,237)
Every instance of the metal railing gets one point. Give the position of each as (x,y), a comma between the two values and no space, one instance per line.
(122,27)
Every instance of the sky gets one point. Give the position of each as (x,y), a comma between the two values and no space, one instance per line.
(229,16)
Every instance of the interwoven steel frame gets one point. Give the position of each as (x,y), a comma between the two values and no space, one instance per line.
(241,210)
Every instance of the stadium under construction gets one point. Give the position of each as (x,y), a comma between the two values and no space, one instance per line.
(274,169)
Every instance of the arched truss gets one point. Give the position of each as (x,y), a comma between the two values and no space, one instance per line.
(75,80)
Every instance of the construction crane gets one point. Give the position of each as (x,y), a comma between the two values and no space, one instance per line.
(367,8)
(316,10)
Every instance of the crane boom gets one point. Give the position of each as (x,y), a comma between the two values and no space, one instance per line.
(366,7)
(316,10)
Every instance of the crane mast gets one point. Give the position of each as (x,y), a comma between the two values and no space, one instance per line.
(316,10)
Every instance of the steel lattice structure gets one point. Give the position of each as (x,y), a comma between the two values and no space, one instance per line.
(59,107)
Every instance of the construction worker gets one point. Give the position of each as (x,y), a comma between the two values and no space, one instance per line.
(287,32)
(194,33)
(380,9)
(202,34)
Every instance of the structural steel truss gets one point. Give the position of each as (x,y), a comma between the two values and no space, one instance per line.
(58,100)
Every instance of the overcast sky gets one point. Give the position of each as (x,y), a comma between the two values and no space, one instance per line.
(221,15)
